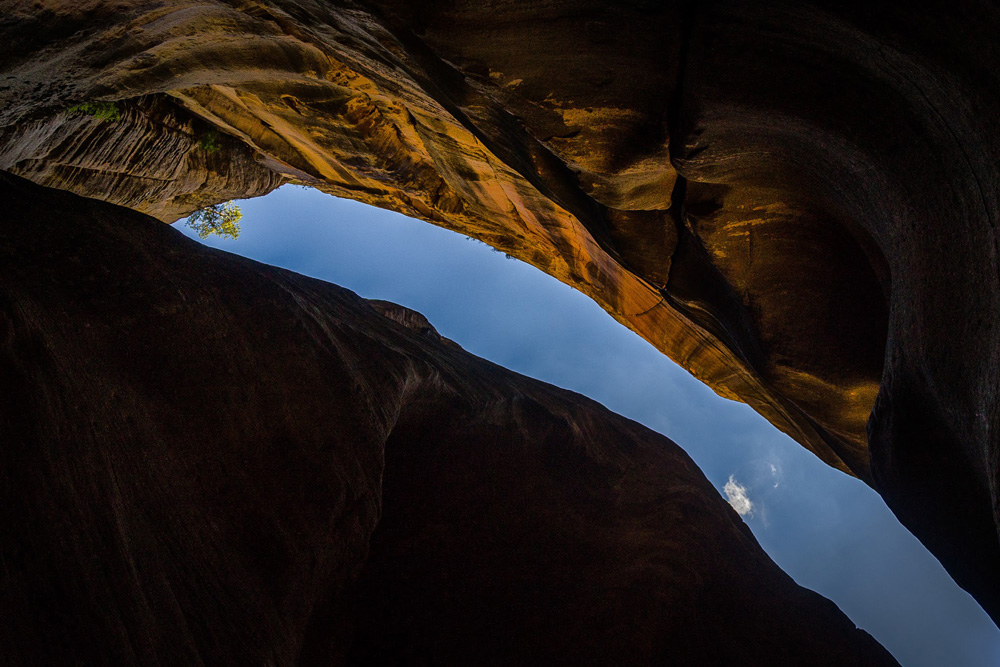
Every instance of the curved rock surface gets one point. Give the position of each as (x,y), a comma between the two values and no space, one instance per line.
(212,461)
(795,201)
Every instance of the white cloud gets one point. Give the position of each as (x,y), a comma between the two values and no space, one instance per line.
(736,493)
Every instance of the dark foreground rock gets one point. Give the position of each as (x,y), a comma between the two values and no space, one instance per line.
(211,461)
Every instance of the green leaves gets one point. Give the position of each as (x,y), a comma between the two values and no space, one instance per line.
(220,219)
(209,142)
(106,112)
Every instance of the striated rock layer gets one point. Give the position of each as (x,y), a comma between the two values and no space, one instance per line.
(211,461)
(795,201)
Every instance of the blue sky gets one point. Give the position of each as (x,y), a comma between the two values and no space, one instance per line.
(828,531)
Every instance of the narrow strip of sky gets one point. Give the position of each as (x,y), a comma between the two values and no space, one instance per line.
(830,532)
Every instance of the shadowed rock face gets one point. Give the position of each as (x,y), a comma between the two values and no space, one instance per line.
(212,461)
(794,201)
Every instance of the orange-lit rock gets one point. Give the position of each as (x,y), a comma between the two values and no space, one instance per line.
(531,147)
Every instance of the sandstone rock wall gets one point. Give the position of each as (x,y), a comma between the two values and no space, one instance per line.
(153,157)
(795,201)
(211,461)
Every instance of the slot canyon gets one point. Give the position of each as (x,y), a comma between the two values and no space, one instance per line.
(213,461)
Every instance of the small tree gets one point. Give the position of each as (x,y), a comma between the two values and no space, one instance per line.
(220,219)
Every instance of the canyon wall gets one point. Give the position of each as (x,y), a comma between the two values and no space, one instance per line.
(794,201)
(212,461)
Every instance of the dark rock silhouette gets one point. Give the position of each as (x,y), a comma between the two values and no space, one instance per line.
(211,461)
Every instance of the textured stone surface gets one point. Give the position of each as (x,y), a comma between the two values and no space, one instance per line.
(795,201)
(527,125)
(211,461)
(153,158)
